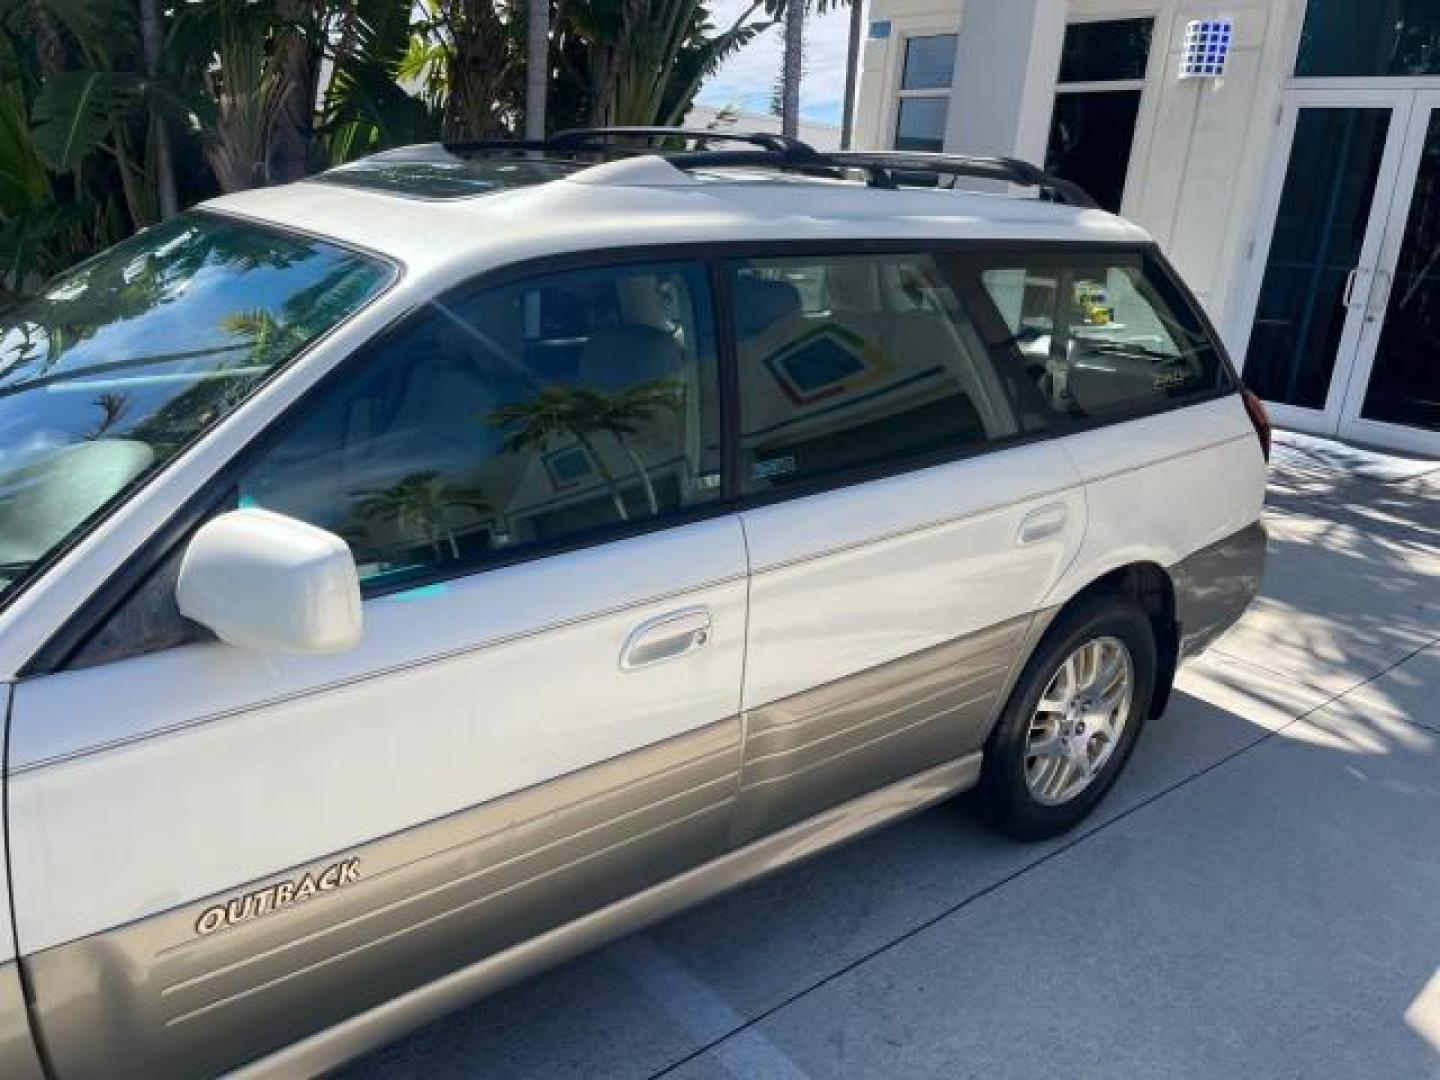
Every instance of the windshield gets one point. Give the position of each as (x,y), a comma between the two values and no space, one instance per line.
(119,364)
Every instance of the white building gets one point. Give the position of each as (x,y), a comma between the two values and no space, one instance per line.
(1298,191)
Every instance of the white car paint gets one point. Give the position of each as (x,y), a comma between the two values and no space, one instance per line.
(860,576)
(267,759)
(262,580)
(1162,487)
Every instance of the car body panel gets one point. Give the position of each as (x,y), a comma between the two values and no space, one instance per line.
(848,579)
(1160,488)
(292,758)
(832,743)
(184,993)
(1215,585)
(324,1050)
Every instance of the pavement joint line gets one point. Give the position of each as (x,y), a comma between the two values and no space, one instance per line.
(1305,684)
(1039,861)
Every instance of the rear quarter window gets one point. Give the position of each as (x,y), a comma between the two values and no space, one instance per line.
(1100,338)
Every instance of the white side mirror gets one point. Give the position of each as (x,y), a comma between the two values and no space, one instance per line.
(261,580)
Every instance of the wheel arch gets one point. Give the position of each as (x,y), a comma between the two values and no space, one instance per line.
(1150,586)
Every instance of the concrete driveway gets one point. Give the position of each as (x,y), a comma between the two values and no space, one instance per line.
(1259,895)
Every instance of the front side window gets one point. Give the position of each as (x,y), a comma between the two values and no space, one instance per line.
(524,416)
(929,66)
(1097,103)
(121,363)
(856,362)
(1103,339)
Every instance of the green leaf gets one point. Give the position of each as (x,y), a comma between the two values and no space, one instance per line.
(23,183)
(77,110)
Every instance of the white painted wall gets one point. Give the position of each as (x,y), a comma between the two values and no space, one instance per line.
(1007,57)
(1202,147)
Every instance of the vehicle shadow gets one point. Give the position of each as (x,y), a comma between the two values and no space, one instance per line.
(649,1000)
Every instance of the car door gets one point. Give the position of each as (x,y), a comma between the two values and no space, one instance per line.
(217,851)
(908,527)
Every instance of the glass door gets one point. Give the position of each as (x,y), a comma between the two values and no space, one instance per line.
(1394,390)
(1329,204)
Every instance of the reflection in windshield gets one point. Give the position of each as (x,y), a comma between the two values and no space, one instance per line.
(119,364)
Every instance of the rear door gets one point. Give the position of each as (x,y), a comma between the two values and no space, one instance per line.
(217,851)
(911,523)
(1135,379)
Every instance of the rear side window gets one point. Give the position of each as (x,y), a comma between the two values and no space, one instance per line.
(528,415)
(1101,339)
(848,363)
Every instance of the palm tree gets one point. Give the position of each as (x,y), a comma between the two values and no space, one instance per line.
(112,407)
(791,68)
(852,71)
(422,500)
(152,35)
(537,66)
(555,413)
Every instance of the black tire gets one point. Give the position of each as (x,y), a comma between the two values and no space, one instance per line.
(1005,795)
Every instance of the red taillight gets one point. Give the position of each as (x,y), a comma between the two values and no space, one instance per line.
(1260,418)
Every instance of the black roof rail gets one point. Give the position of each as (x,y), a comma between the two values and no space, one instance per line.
(886,163)
(884,168)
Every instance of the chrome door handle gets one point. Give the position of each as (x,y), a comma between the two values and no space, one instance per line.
(666,638)
(1042,524)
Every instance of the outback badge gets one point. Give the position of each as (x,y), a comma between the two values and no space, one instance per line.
(282,894)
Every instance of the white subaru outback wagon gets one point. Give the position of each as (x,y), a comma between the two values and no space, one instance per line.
(415,575)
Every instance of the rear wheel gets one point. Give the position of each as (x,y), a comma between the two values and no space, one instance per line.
(1071,720)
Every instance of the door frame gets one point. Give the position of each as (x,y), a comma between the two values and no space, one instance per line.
(1400,100)
(1425,106)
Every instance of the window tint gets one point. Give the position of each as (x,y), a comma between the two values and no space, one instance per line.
(1106,51)
(528,415)
(854,362)
(1104,339)
(1091,136)
(1097,102)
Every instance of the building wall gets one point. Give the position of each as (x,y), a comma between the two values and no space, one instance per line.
(1203,147)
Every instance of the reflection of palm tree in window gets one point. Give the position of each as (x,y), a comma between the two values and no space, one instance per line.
(623,414)
(422,502)
(560,411)
(112,407)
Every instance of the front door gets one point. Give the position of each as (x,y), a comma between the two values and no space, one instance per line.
(219,850)
(1342,336)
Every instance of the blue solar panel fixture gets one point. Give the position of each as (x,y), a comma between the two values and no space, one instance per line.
(1207,45)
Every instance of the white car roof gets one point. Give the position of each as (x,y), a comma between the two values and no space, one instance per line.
(645,201)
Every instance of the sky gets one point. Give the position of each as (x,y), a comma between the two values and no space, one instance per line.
(747,80)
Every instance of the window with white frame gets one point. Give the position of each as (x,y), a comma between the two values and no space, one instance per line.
(1097,102)
(925,92)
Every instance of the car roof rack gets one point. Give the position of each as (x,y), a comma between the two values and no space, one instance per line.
(883,169)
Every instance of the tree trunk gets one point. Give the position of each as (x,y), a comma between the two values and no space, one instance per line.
(605,474)
(295,60)
(852,71)
(790,72)
(152,33)
(639,467)
(537,66)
